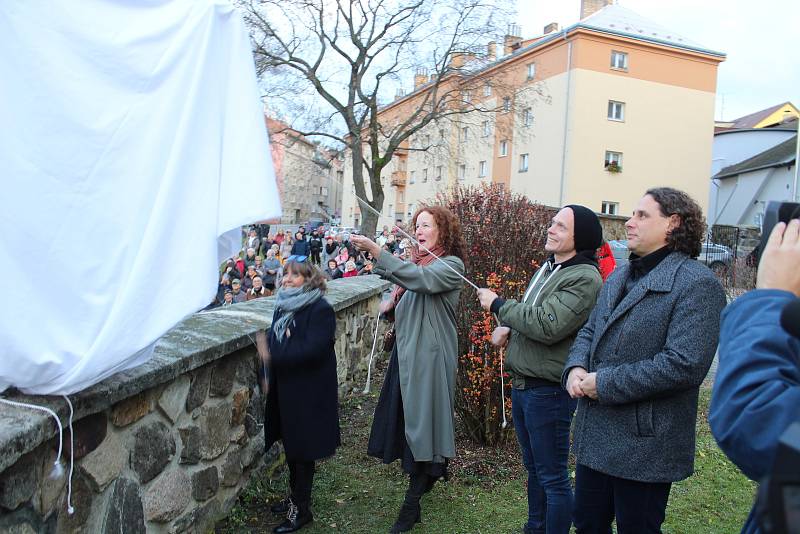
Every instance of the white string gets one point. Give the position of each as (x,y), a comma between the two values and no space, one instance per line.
(70,509)
(502,379)
(412,238)
(372,353)
(57,470)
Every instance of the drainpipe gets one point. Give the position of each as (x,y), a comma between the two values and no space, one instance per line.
(796,160)
(566,122)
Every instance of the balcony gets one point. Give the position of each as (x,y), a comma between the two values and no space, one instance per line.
(398,179)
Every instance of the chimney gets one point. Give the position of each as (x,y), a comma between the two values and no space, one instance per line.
(420,77)
(512,39)
(550,28)
(589,7)
(457,60)
(491,50)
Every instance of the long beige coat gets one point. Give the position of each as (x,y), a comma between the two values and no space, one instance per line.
(427,350)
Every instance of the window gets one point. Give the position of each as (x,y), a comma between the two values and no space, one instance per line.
(462,171)
(412,177)
(487,89)
(506,104)
(613,161)
(531,70)
(441,134)
(487,129)
(464,134)
(504,148)
(482,169)
(619,60)
(390,210)
(438,173)
(467,96)
(527,117)
(424,176)
(610,208)
(427,140)
(616,110)
(523,163)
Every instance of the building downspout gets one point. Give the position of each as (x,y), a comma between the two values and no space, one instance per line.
(566,122)
(796,161)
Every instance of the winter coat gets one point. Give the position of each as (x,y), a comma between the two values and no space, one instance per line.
(757,387)
(651,350)
(605,258)
(303,402)
(545,324)
(301,248)
(271,265)
(427,350)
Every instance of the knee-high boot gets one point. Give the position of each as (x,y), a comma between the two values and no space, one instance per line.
(299,513)
(411,511)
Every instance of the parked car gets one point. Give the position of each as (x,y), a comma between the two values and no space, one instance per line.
(619,248)
(717,257)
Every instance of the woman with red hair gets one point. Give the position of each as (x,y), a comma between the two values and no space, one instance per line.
(414,418)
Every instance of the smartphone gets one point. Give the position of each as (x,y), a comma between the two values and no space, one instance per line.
(776,212)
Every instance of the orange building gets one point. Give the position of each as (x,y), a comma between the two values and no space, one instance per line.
(593,114)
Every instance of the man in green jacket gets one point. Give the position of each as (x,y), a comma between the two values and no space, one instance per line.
(538,333)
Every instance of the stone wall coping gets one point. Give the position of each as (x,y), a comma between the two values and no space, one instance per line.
(199,339)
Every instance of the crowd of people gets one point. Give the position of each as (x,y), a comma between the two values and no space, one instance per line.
(257,271)
(623,351)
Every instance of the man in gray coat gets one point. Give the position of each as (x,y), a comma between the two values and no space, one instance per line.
(636,367)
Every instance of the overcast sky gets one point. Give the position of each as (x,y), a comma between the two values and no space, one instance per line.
(762,68)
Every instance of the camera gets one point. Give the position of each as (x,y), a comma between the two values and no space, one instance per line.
(778,502)
(776,212)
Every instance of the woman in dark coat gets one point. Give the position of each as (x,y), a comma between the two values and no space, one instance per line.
(302,399)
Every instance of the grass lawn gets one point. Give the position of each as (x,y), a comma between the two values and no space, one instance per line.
(354,493)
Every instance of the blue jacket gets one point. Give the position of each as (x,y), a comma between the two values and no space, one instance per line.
(757,388)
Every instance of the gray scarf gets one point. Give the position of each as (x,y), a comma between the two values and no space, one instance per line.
(288,300)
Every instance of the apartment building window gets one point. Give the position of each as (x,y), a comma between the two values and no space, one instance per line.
(482,169)
(390,210)
(613,161)
(616,110)
(506,104)
(610,208)
(619,60)
(441,134)
(487,129)
(424,176)
(487,89)
(412,177)
(504,147)
(467,96)
(427,140)
(464,134)
(523,163)
(462,171)
(531,70)
(438,173)
(527,117)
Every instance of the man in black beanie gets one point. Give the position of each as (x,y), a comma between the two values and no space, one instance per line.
(538,332)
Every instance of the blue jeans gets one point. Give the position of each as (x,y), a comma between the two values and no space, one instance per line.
(542,418)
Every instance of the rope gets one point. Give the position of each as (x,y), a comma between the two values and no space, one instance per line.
(57,471)
(502,379)
(372,353)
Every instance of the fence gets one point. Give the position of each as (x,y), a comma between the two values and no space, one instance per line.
(728,251)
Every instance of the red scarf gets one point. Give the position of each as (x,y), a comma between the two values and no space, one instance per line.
(418,257)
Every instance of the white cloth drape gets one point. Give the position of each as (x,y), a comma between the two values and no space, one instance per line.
(131,139)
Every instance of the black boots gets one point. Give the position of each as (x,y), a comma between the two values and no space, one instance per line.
(297,517)
(281,507)
(297,505)
(411,512)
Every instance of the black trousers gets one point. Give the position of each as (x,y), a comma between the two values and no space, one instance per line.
(639,507)
(301,479)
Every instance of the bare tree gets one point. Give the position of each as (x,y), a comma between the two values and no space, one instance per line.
(333,67)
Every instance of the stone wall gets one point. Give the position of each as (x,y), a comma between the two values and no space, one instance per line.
(168,446)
